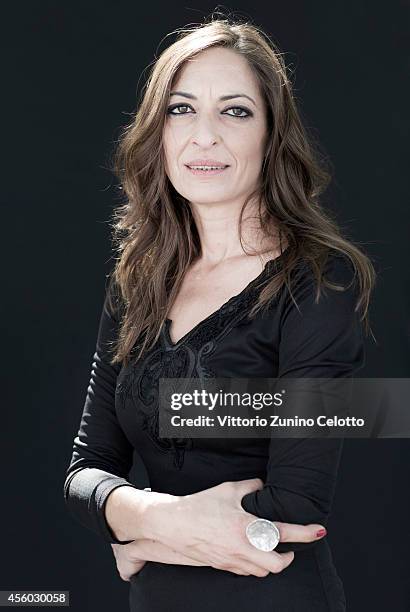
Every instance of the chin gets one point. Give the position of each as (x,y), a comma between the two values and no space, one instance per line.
(208,198)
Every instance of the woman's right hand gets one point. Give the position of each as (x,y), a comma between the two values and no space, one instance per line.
(209,527)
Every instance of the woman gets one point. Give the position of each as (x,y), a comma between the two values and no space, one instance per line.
(217,158)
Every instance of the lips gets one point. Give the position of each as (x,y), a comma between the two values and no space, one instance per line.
(206,162)
(202,171)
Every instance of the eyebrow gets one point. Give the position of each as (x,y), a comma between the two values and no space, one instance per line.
(227,97)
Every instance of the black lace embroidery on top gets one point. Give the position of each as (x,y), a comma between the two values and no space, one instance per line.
(186,358)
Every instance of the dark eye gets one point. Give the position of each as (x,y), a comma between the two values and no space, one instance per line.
(240,109)
(175,106)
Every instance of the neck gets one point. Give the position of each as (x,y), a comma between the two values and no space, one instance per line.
(217,226)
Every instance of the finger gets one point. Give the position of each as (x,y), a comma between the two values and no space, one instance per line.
(248,486)
(248,569)
(290,532)
(280,561)
(242,566)
(272,561)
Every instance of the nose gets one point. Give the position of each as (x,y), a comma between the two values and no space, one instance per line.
(205,132)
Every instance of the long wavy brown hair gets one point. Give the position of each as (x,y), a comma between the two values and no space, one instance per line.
(154,233)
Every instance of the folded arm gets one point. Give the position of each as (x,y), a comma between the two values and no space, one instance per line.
(323,340)
(102,455)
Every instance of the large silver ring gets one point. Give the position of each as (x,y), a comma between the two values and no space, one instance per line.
(263,534)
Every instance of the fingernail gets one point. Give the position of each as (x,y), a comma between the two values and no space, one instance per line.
(321,533)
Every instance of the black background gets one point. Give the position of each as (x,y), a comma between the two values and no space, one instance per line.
(70,74)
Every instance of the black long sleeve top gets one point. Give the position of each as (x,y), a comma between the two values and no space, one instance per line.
(120,414)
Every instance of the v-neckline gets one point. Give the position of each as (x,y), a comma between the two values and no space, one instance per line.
(168,322)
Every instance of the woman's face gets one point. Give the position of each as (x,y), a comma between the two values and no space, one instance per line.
(201,128)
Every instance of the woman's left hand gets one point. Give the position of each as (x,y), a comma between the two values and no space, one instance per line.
(132,557)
